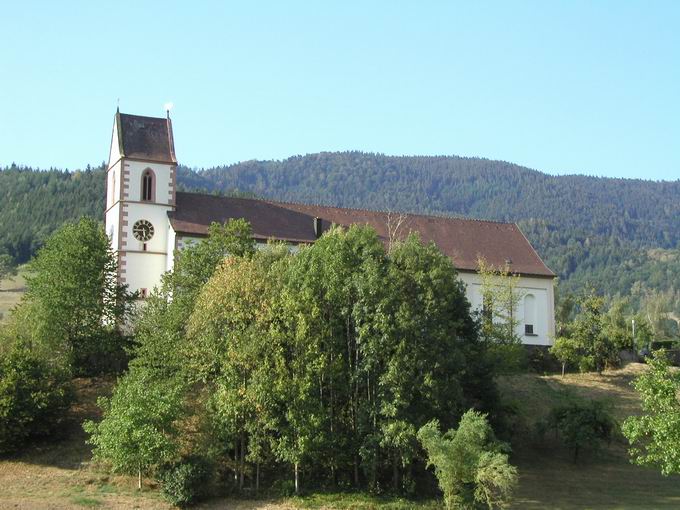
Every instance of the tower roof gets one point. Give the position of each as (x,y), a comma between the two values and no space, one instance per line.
(148,138)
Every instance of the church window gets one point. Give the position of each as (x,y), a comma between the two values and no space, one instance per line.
(147,186)
(529,314)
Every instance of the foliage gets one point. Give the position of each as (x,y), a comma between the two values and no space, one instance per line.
(232,353)
(655,435)
(186,482)
(499,316)
(593,341)
(34,397)
(327,360)
(581,425)
(139,431)
(470,464)
(566,350)
(161,326)
(35,203)
(73,306)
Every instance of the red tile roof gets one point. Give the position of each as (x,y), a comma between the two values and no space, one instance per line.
(463,240)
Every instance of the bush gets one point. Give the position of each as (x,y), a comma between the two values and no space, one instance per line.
(471,466)
(187,481)
(34,397)
(581,425)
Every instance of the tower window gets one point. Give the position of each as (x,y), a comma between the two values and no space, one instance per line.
(147,186)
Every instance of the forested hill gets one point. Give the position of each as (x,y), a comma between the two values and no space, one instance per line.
(610,233)
(645,212)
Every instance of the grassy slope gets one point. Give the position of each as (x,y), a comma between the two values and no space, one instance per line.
(60,475)
(11,291)
(548,476)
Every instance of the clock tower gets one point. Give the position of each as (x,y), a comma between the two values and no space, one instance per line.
(140,192)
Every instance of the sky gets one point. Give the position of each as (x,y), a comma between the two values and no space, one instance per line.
(590,87)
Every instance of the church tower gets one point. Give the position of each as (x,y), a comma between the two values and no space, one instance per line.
(140,192)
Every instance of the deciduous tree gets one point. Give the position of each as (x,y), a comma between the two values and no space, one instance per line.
(654,436)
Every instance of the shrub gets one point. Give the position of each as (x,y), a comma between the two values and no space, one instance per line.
(187,481)
(469,463)
(34,397)
(582,425)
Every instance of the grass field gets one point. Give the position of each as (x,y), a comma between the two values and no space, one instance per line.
(11,291)
(548,476)
(60,475)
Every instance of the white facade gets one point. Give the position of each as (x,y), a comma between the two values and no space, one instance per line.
(535,308)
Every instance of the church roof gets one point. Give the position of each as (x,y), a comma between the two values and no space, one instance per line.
(148,138)
(463,240)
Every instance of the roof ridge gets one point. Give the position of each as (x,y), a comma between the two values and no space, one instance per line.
(290,202)
(141,116)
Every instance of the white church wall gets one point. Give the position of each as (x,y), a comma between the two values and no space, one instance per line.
(158,216)
(111,225)
(170,250)
(542,292)
(113,185)
(143,270)
(162,180)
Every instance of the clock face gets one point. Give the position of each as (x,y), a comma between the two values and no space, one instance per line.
(143,230)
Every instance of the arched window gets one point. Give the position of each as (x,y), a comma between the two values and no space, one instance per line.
(529,314)
(147,185)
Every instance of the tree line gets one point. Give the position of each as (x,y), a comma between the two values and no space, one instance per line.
(339,365)
(344,364)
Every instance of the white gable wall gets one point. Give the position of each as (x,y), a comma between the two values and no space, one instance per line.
(543,301)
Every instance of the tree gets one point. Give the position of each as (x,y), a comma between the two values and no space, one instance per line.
(232,352)
(593,339)
(34,397)
(501,297)
(590,334)
(7,267)
(655,435)
(470,464)
(74,300)
(160,328)
(139,429)
(420,344)
(581,425)
(566,350)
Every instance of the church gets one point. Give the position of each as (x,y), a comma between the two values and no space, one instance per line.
(148,220)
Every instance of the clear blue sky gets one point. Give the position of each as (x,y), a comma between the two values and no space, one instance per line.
(563,87)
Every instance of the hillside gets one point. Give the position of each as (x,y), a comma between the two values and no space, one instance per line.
(619,235)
